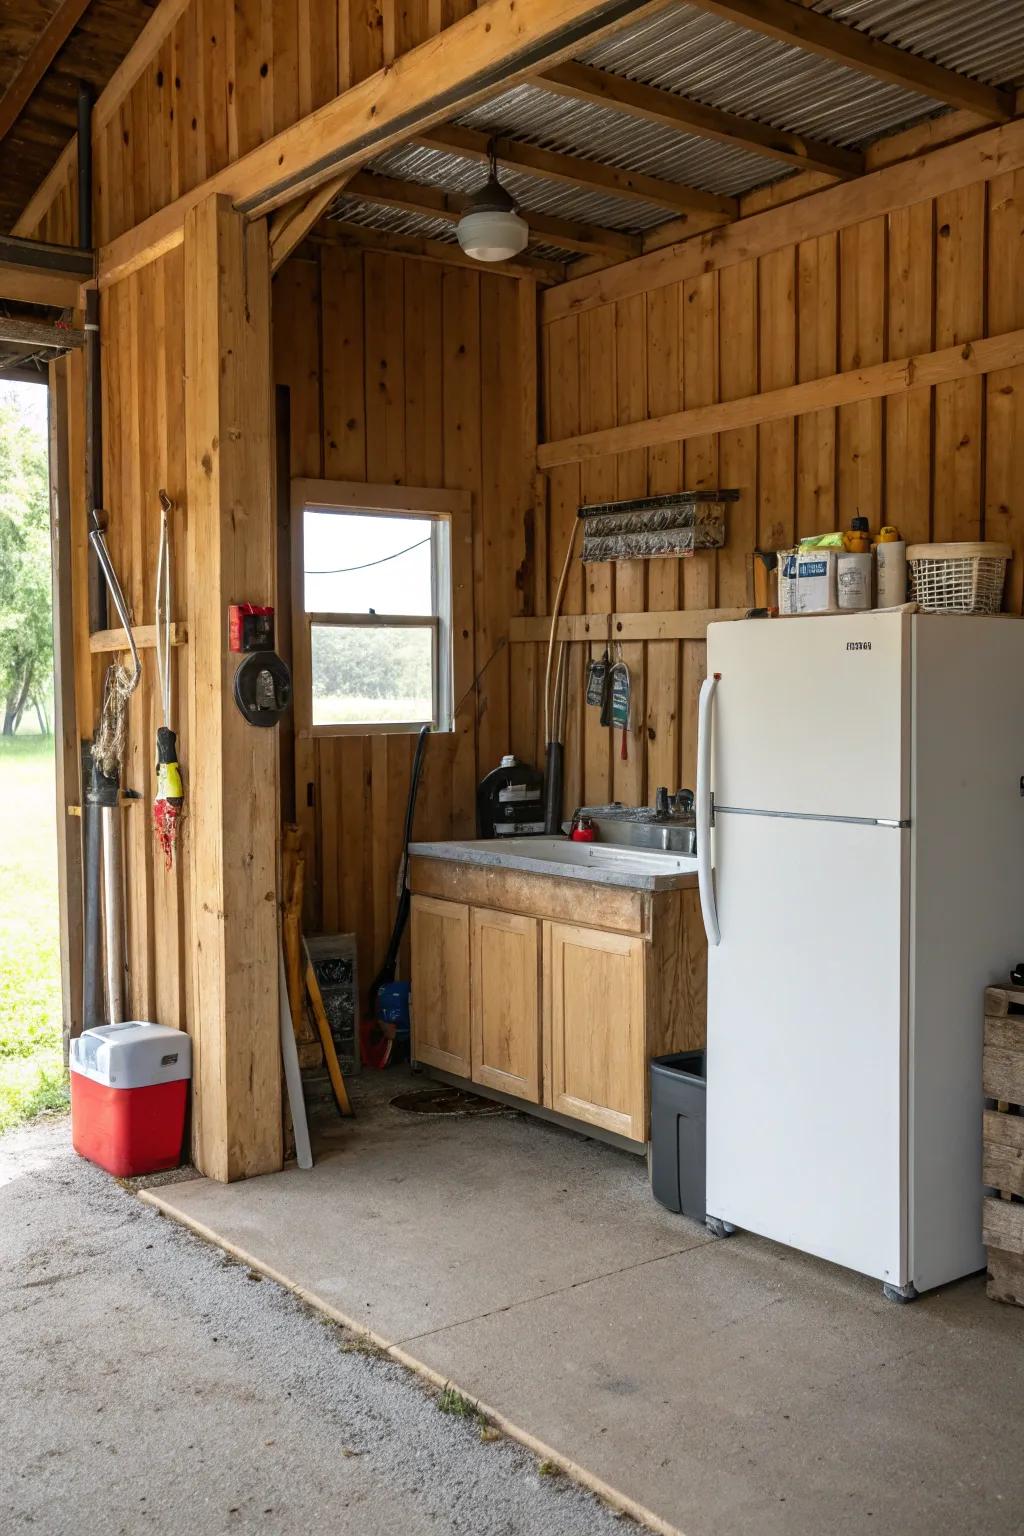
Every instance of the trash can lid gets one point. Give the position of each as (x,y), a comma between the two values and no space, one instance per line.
(135,1054)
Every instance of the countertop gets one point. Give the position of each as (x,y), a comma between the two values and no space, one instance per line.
(596,863)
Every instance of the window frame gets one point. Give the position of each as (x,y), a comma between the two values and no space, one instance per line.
(453,615)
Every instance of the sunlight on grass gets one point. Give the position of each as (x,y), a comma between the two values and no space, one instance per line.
(31,1060)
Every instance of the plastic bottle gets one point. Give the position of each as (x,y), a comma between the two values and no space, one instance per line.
(857,539)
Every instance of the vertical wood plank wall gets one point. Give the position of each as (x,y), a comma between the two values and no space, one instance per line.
(402,371)
(942,463)
(229,75)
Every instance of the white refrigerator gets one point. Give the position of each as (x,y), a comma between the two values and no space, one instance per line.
(860,830)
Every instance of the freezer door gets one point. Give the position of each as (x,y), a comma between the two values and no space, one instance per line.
(806,1038)
(811,715)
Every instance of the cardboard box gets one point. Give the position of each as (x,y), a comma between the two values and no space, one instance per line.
(807,581)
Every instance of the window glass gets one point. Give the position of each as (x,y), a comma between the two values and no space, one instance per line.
(356,562)
(364,675)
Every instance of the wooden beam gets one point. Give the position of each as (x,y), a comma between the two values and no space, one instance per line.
(145,48)
(43,256)
(581,82)
(42,54)
(341,233)
(595,628)
(233,768)
(499,43)
(41,334)
(144,635)
(27,285)
(511,154)
(412,197)
(872,196)
(290,225)
(792,23)
(972,359)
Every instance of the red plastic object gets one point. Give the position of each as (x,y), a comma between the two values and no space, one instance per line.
(128,1131)
(250,627)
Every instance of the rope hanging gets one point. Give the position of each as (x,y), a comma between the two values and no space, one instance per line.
(119,683)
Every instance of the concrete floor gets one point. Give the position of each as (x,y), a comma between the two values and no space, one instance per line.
(151,1388)
(724,1387)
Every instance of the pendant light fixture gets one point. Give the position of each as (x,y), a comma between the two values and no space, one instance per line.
(491,229)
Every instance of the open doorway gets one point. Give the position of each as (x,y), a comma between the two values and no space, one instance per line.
(31,1060)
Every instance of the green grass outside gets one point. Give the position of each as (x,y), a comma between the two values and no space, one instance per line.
(32,1076)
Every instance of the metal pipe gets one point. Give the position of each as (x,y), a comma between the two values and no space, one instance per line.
(113,910)
(85,166)
(92,886)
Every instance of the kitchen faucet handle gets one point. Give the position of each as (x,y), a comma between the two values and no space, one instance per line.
(661,801)
(683,801)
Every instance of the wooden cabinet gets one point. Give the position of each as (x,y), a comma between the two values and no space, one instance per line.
(594,1027)
(440,992)
(552,991)
(505,1002)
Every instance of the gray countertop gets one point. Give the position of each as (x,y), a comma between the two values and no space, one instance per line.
(596,863)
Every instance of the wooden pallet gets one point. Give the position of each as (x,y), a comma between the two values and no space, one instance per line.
(1003,1142)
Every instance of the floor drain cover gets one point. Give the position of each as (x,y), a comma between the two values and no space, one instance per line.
(445,1101)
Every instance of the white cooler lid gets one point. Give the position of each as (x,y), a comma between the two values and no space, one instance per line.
(132,1055)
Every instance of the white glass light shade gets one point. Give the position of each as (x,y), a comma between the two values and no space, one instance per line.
(492,234)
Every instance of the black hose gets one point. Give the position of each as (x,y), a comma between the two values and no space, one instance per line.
(553,790)
(387,970)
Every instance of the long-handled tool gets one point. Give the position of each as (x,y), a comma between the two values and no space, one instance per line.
(108,754)
(170,794)
(554,704)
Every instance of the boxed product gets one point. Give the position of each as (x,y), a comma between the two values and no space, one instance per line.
(807,581)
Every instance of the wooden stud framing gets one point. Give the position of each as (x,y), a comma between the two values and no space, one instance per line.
(42,54)
(233,772)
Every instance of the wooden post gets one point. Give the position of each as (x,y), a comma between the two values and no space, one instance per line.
(65,730)
(233,788)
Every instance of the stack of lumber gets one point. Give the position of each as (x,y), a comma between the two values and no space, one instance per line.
(1003,1156)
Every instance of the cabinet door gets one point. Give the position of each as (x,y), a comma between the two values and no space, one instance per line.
(440,984)
(506,1002)
(594,1027)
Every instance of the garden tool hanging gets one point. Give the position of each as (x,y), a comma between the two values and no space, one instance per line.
(108,747)
(170,793)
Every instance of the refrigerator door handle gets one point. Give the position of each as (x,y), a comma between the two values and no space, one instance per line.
(705,879)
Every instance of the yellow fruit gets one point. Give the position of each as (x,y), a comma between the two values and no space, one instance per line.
(888,535)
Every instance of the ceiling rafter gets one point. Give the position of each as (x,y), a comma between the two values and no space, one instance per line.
(790,22)
(42,54)
(513,154)
(598,87)
(337,231)
(414,197)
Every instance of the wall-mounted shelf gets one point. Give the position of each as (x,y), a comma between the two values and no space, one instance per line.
(145,638)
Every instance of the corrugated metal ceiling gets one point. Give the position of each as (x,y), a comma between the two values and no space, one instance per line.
(721,65)
(598,133)
(438,168)
(716,62)
(982,38)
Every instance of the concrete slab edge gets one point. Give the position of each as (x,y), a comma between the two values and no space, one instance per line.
(578,1473)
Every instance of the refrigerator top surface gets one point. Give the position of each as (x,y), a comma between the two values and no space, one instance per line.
(811,716)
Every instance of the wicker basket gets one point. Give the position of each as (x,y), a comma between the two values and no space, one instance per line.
(958,578)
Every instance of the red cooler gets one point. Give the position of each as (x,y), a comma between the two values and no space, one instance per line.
(129,1087)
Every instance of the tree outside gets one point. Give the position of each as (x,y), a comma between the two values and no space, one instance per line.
(31,1057)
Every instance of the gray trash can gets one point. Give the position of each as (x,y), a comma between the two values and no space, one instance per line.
(679,1132)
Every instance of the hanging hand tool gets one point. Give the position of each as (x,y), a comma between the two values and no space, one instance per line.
(170,793)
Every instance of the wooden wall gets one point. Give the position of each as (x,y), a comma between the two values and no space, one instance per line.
(941,463)
(211,79)
(403,371)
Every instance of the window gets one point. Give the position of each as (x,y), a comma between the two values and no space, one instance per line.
(376,595)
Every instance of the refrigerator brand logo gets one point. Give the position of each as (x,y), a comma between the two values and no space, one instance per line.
(858,645)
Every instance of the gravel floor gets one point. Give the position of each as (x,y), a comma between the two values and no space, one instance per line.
(152,1385)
